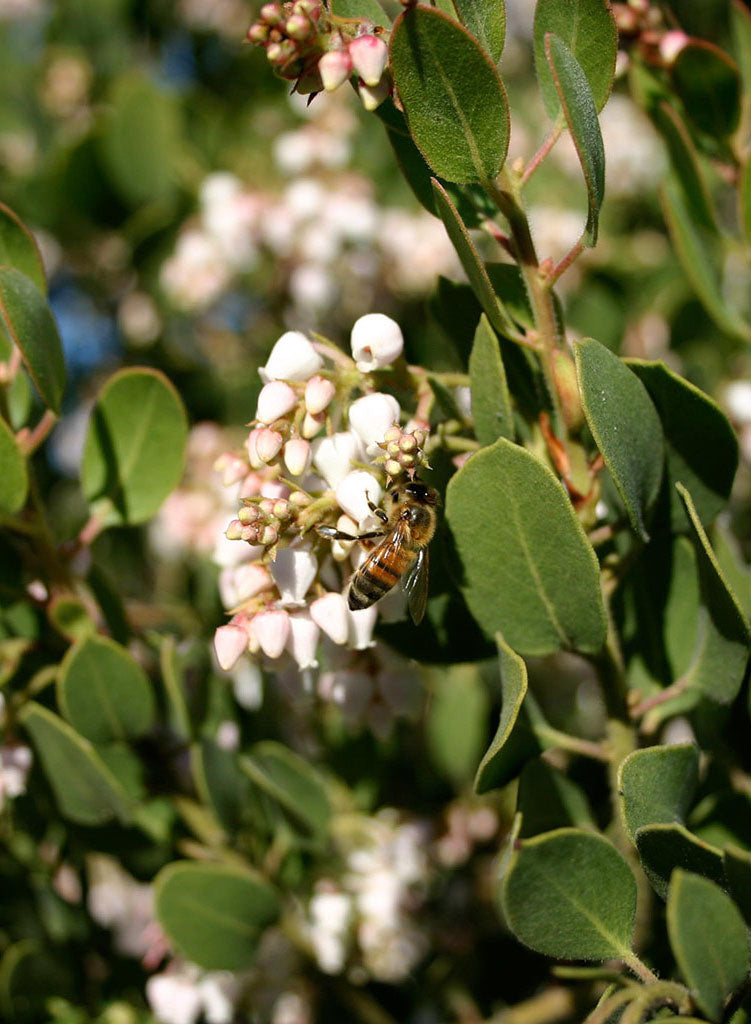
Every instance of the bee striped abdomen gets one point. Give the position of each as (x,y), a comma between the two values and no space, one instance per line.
(377,575)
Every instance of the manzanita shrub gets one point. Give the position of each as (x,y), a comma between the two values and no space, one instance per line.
(560,832)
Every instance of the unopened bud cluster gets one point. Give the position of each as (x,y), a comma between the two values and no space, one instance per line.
(403,451)
(303,45)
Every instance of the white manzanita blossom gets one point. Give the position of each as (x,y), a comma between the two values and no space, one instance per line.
(292,358)
(333,456)
(361,626)
(330,913)
(369,55)
(275,400)
(318,394)
(355,491)
(302,641)
(372,96)
(228,735)
(249,580)
(737,399)
(15,764)
(271,629)
(174,997)
(293,570)
(297,456)
(334,68)
(331,615)
(340,549)
(371,416)
(247,685)
(376,341)
(268,444)
(230,642)
(291,1008)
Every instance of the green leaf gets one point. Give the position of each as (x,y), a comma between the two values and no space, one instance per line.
(724,636)
(548,800)
(33,329)
(293,783)
(569,894)
(14,477)
(178,714)
(738,874)
(701,446)
(511,291)
(85,789)
(491,404)
(709,86)
(625,426)
(214,913)
(452,95)
(708,938)
(71,617)
(135,446)
(736,572)
(657,784)
(140,140)
(470,260)
(366,10)
(662,848)
(520,733)
(685,163)
(697,251)
(18,248)
(744,200)
(456,721)
(103,692)
(222,783)
(486,20)
(529,571)
(587,27)
(579,109)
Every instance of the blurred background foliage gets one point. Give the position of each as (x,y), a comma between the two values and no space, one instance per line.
(189,211)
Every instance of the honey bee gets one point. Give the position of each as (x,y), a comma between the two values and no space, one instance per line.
(409,522)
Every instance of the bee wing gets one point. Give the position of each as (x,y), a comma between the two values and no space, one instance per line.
(416,586)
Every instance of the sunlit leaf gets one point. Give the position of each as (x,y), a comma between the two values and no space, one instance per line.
(19,249)
(486,20)
(33,329)
(657,785)
(491,404)
(14,478)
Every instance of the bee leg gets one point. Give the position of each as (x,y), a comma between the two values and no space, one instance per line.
(334,534)
(376,510)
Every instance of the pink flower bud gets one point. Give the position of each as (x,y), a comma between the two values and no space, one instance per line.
(408,443)
(369,56)
(271,629)
(671,45)
(393,434)
(312,424)
(292,358)
(297,454)
(334,67)
(330,613)
(294,570)
(268,536)
(248,514)
(268,444)
(318,394)
(376,341)
(392,467)
(299,499)
(258,33)
(266,506)
(373,96)
(271,14)
(302,641)
(251,486)
(281,508)
(274,401)
(251,444)
(250,534)
(297,26)
(229,643)
(274,489)
(234,530)
(231,467)
(353,492)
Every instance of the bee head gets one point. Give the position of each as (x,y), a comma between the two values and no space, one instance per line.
(417,491)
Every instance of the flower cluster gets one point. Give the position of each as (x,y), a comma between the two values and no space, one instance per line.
(322,446)
(306,45)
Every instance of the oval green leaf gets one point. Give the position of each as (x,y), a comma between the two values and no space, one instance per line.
(587,27)
(657,784)
(293,783)
(529,571)
(452,95)
(491,404)
(701,448)
(709,86)
(85,789)
(570,894)
(738,874)
(33,329)
(662,848)
(709,940)
(549,800)
(14,477)
(215,914)
(18,248)
(522,732)
(457,720)
(104,693)
(685,163)
(365,10)
(135,446)
(625,426)
(486,20)
(579,109)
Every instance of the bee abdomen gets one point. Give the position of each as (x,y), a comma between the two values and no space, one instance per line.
(376,578)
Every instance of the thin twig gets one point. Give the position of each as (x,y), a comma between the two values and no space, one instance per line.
(564,263)
(543,151)
(29,440)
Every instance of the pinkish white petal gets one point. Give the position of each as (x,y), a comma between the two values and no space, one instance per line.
(294,570)
(334,68)
(333,456)
(376,341)
(370,417)
(372,96)
(330,613)
(274,401)
(271,629)
(302,641)
(361,626)
(369,56)
(268,444)
(292,358)
(229,643)
(297,455)
(354,491)
(318,394)
(251,579)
